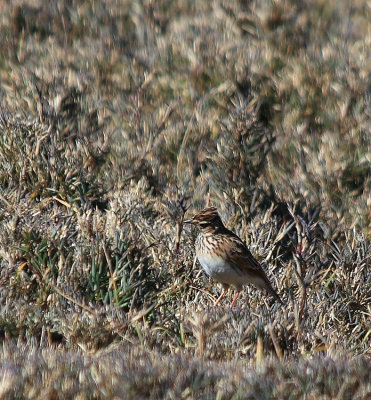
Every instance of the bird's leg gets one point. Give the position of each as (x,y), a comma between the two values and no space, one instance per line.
(221,296)
(235,299)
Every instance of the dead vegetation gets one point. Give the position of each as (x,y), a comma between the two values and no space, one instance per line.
(117,118)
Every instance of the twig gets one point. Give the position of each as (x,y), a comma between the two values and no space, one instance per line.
(276,345)
(72,300)
(259,350)
(303,286)
(179,229)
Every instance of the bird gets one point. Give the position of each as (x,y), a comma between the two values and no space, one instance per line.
(225,257)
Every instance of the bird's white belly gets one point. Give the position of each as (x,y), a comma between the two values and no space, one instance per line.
(220,270)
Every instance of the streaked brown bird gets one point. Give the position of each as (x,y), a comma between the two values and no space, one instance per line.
(225,257)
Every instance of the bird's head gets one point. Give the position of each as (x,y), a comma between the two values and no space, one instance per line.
(207,218)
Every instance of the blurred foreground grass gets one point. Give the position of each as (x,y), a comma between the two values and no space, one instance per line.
(115,118)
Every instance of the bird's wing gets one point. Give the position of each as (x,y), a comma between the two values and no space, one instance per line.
(241,258)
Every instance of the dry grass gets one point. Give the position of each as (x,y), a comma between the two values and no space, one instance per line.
(117,118)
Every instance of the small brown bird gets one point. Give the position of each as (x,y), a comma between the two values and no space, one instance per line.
(225,257)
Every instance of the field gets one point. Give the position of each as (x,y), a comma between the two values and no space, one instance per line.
(118,119)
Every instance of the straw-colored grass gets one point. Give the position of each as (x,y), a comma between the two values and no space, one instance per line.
(120,118)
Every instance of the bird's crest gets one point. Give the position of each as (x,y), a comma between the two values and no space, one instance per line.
(208,216)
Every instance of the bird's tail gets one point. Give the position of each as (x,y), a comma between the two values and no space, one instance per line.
(274,293)
(262,282)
